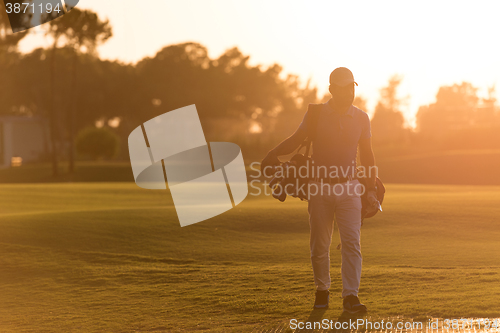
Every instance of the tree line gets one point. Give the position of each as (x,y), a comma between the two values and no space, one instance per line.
(457,119)
(253,106)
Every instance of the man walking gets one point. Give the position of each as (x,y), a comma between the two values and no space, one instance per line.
(336,129)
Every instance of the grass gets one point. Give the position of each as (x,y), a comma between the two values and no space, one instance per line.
(94,257)
(85,171)
(457,167)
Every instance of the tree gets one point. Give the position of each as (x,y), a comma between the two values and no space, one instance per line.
(360,102)
(459,119)
(454,109)
(235,101)
(106,89)
(175,77)
(388,120)
(249,105)
(9,58)
(82,31)
(487,112)
(97,143)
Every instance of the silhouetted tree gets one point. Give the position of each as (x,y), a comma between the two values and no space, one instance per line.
(249,105)
(234,99)
(97,143)
(8,59)
(487,111)
(360,102)
(388,120)
(82,31)
(459,119)
(454,108)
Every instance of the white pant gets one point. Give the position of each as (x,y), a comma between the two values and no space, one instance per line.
(339,201)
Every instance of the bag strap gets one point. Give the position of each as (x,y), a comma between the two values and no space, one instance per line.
(313,111)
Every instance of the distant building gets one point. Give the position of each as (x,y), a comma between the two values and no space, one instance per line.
(22,139)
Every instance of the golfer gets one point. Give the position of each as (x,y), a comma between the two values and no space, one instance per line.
(339,129)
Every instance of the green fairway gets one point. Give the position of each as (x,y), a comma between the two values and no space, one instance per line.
(94,257)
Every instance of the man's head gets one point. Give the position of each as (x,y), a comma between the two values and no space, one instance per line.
(342,86)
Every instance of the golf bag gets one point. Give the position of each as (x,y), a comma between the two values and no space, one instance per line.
(288,179)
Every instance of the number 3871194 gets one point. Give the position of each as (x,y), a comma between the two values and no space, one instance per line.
(31,8)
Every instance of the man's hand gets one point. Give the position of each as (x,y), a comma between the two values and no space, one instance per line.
(284,148)
(269,162)
(371,196)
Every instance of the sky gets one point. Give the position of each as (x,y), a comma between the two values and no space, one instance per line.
(428,43)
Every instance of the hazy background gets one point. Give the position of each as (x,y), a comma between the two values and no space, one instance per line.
(426,77)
